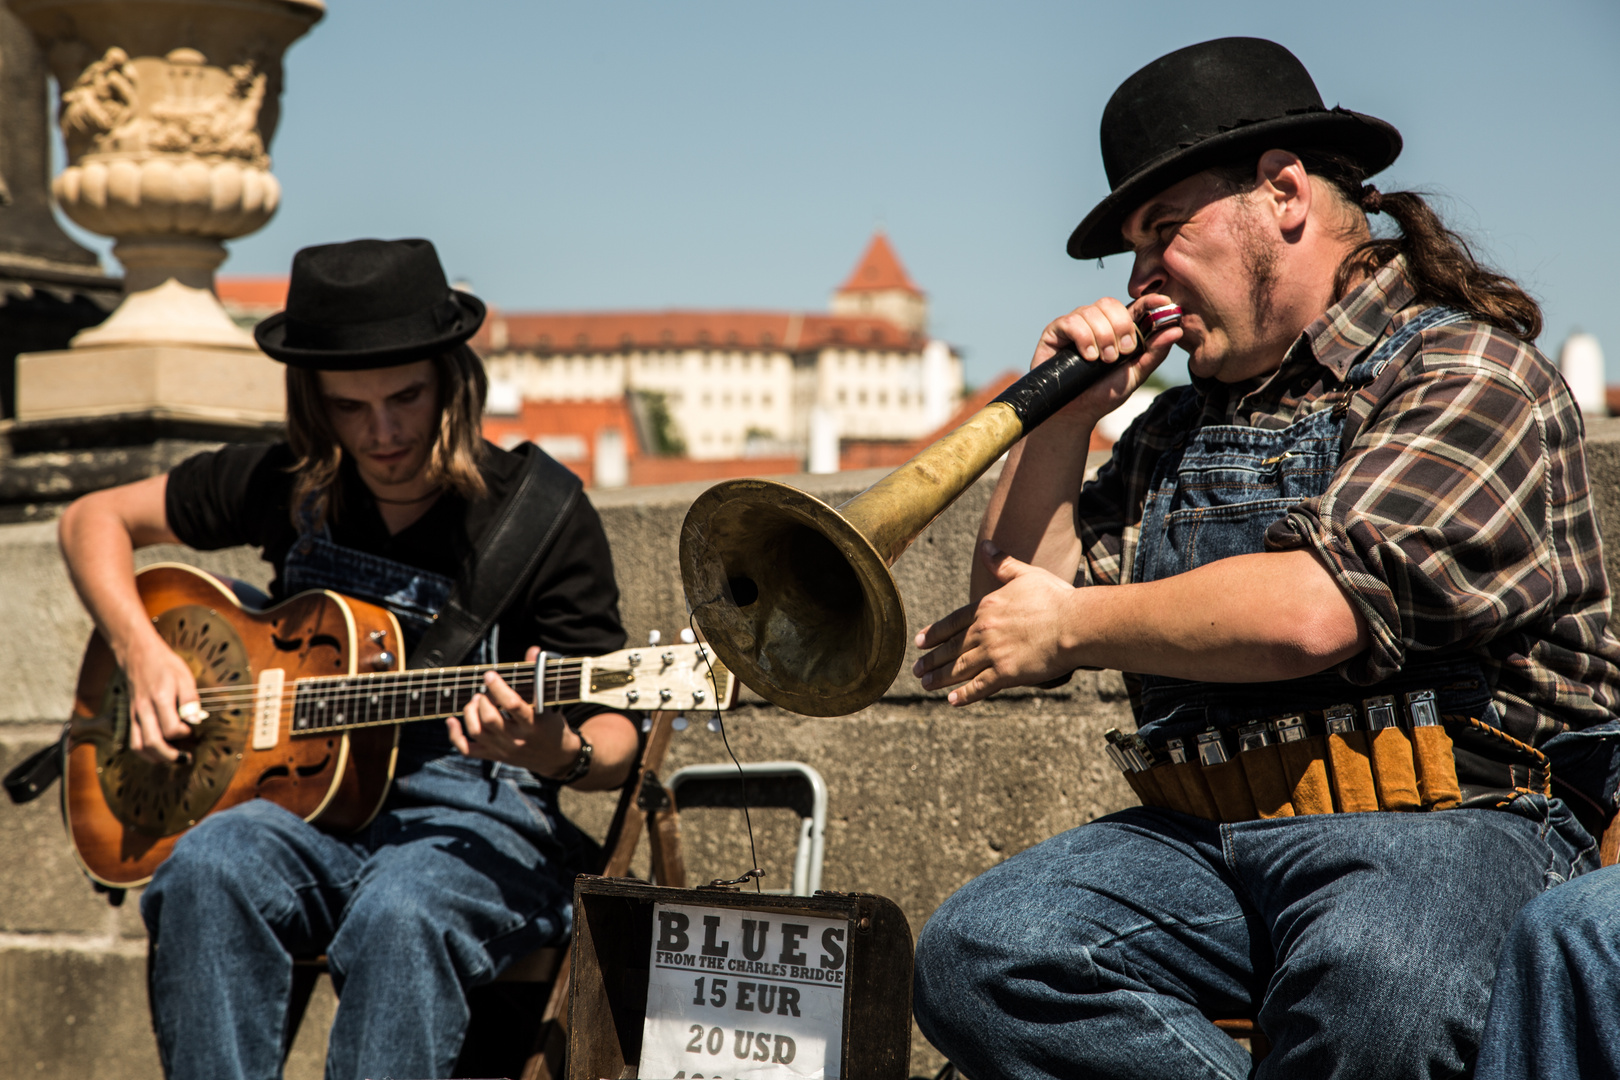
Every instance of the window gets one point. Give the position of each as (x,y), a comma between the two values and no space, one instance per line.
(843,397)
(765,338)
(883,397)
(765,399)
(861,397)
(582,340)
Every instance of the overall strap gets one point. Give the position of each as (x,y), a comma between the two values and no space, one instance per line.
(1364,373)
(505,559)
(1372,367)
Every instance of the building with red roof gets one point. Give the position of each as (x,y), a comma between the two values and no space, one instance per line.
(734,387)
(249,299)
(739,383)
(879,286)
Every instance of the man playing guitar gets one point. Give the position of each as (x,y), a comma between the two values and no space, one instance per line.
(382,490)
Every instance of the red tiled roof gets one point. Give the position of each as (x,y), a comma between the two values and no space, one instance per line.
(269,293)
(567,430)
(879,270)
(676,470)
(611,331)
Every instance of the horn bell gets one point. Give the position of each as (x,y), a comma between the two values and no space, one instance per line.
(792,597)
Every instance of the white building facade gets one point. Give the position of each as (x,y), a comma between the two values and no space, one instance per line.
(737,383)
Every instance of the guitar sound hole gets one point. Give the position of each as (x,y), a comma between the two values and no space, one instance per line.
(275,772)
(315,769)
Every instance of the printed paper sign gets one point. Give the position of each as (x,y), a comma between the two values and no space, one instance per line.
(743,995)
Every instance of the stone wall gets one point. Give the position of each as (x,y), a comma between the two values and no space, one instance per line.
(923,797)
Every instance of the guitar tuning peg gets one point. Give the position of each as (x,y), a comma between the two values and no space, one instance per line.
(646,724)
(687,637)
(654,637)
(714,724)
(679,723)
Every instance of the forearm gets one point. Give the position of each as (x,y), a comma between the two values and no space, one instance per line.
(613,751)
(1250,618)
(1031,511)
(98,544)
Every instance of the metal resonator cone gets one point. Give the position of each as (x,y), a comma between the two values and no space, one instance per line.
(794,599)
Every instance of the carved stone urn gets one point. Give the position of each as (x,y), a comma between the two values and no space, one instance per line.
(167,110)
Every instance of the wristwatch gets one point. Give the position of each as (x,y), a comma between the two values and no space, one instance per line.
(582,762)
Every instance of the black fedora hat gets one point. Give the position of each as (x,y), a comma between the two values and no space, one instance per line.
(368,304)
(1209,105)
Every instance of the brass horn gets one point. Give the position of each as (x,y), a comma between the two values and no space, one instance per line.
(796,596)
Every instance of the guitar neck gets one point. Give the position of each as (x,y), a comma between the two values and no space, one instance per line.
(337,703)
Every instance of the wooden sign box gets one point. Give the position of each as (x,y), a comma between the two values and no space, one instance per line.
(613,937)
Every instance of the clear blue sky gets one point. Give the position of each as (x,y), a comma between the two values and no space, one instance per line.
(634,155)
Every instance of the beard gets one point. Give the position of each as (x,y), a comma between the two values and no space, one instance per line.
(1260,258)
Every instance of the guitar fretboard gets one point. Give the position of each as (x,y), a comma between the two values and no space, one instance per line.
(351,701)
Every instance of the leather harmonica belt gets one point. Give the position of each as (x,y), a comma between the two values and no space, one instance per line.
(1387,753)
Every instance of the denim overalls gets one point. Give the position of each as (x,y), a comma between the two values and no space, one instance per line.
(468,866)
(415,596)
(1213,496)
(1365,942)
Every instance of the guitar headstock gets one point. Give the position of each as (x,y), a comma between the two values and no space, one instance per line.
(678,678)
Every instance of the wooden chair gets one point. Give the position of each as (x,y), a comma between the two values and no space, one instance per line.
(1249,1027)
(502,1032)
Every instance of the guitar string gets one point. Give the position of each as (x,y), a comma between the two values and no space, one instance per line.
(568,671)
(473,671)
(564,675)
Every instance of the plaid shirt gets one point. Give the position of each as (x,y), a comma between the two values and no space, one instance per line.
(1460,519)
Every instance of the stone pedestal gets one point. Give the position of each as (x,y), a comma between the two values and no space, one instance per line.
(165,382)
(50,287)
(168,108)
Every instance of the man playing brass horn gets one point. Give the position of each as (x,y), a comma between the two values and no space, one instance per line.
(1355,567)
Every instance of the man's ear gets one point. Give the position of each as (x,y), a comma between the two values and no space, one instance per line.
(1285,190)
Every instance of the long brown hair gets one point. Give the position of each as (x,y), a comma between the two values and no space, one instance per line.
(461,383)
(1440,264)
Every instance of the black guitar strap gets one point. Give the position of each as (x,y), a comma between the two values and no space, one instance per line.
(524,531)
(38,771)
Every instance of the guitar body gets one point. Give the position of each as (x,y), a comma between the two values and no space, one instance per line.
(124,813)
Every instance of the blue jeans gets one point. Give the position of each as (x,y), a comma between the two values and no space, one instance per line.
(1555,1012)
(466,869)
(1365,943)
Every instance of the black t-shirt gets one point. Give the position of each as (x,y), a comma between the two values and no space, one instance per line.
(241,494)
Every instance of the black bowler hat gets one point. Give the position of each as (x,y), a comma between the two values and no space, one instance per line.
(1209,105)
(368,304)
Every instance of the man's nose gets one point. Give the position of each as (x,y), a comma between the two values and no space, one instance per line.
(1147,275)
